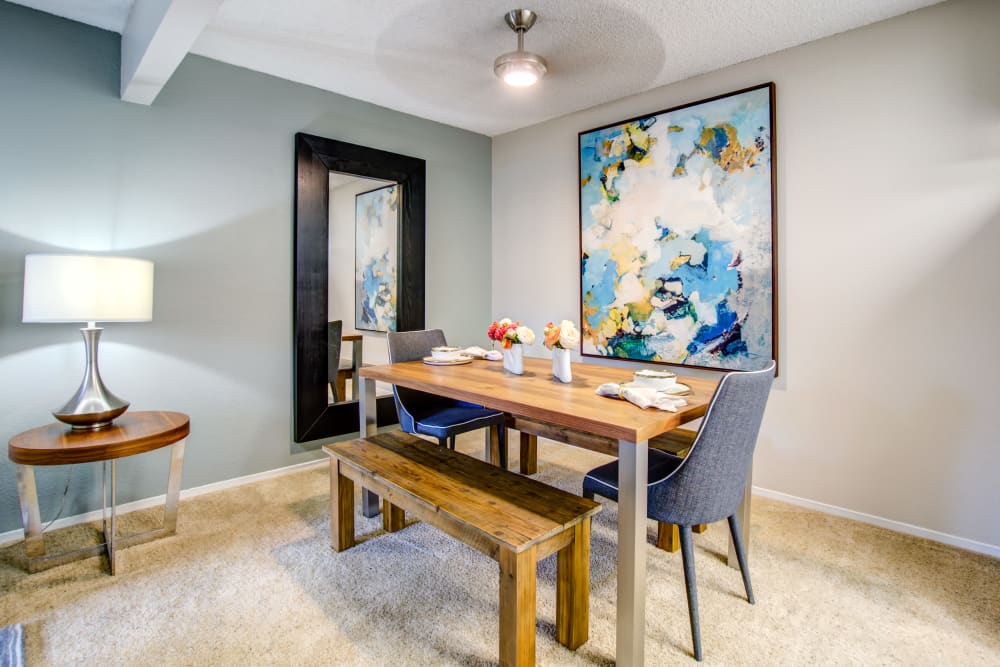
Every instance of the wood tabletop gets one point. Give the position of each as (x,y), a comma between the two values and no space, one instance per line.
(134,432)
(538,395)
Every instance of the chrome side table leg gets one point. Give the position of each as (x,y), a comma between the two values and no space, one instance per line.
(110,538)
(34,541)
(173,487)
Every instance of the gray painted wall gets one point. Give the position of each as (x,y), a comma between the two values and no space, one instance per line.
(200,183)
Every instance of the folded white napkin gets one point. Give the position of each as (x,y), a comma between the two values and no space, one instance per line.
(644,397)
(493,355)
(474,351)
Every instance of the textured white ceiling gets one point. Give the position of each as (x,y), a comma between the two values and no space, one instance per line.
(434,58)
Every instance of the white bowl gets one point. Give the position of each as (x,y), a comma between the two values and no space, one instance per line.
(654,379)
(445,353)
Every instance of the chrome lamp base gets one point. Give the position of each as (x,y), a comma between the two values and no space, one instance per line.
(93,406)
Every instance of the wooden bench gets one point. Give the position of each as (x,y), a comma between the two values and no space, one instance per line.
(515,520)
(677,442)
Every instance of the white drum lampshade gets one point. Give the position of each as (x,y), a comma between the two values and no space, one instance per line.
(91,289)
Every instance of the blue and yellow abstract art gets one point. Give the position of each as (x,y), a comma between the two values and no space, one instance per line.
(376,218)
(676,235)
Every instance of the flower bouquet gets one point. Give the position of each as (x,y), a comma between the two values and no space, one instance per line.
(561,339)
(511,336)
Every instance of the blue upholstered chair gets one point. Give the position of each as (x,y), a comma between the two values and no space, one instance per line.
(437,416)
(707,485)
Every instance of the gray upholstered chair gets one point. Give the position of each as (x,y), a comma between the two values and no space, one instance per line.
(437,416)
(707,485)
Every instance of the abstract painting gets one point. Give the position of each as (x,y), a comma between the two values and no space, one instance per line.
(376,219)
(677,229)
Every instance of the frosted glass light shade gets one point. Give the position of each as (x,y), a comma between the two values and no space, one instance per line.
(87,288)
(520,68)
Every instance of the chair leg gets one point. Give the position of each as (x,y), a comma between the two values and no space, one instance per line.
(451,442)
(667,537)
(589,495)
(741,555)
(496,449)
(687,555)
(442,442)
(502,437)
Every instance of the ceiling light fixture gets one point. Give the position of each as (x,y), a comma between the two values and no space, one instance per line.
(520,68)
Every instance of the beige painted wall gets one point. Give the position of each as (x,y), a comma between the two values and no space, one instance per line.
(888,163)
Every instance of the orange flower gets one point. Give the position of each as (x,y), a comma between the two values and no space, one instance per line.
(552,333)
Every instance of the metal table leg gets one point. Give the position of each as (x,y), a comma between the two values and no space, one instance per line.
(33,537)
(110,539)
(173,487)
(34,542)
(633,472)
(368,421)
(356,363)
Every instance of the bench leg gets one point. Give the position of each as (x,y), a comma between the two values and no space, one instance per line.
(573,589)
(341,508)
(393,518)
(517,607)
(529,454)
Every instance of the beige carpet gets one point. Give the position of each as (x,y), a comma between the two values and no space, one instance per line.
(250,580)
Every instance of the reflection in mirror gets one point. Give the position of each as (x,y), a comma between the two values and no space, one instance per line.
(326,379)
(348,348)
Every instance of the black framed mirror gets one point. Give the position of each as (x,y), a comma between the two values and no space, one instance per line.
(315,417)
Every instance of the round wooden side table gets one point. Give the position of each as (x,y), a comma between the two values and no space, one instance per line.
(132,433)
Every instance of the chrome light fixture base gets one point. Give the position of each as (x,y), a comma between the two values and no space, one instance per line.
(93,406)
(520,67)
(520,20)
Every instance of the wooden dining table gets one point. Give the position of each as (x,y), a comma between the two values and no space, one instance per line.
(536,395)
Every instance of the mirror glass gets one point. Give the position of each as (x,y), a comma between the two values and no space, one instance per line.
(356,346)
(328,176)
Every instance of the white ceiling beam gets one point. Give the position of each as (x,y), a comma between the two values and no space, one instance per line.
(157,36)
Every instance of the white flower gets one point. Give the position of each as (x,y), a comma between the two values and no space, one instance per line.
(525,335)
(505,322)
(569,337)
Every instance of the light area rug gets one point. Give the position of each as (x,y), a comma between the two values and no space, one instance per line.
(250,580)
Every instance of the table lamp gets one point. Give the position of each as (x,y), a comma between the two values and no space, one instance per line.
(91,289)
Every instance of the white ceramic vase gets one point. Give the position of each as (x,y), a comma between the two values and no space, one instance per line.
(513,359)
(561,368)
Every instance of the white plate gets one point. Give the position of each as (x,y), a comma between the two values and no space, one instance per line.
(431,361)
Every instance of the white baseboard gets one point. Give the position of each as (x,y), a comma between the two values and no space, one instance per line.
(897,526)
(157,501)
